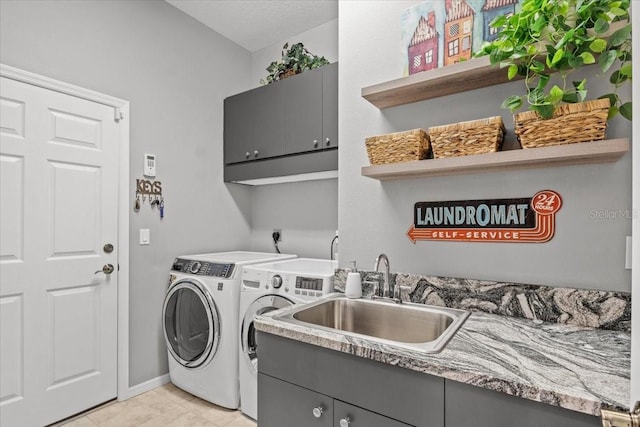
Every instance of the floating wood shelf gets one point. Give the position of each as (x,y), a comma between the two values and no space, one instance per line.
(560,155)
(456,78)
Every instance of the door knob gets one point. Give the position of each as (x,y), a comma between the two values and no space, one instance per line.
(328,142)
(315,143)
(345,422)
(318,410)
(106,269)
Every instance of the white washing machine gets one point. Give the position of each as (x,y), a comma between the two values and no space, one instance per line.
(200,323)
(268,287)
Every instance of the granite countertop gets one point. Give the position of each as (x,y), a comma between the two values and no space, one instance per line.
(573,367)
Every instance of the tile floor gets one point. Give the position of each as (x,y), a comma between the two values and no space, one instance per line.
(164,406)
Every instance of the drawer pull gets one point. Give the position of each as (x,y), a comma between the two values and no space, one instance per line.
(318,410)
(345,422)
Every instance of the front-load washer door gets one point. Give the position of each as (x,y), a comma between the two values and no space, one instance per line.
(191,323)
(260,306)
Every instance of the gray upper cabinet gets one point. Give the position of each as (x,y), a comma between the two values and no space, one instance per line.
(268,122)
(311,110)
(303,112)
(292,116)
(237,131)
(330,106)
(254,124)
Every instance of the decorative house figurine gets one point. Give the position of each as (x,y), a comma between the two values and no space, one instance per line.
(491,10)
(458,30)
(423,50)
(444,32)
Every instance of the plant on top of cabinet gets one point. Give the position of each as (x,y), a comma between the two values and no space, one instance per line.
(561,36)
(295,60)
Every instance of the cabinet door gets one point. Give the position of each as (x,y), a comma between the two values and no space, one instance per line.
(466,405)
(282,404)
(330,105)
(303,112)
(346,415)
(268,122)
(238,127)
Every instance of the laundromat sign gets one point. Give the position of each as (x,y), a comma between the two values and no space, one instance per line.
(521,220)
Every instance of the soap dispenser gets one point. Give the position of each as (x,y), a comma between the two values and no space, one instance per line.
(353,289)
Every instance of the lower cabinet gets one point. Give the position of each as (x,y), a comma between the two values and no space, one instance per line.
(297,381)
(308,408)
(466,405)
(303,377)
(281,404)
(345,415)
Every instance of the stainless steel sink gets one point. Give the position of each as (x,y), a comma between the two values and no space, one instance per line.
(414,326)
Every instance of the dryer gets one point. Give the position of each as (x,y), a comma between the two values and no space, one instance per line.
(200,322)
(267,287)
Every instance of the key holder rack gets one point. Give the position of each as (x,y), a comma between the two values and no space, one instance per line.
(152,190)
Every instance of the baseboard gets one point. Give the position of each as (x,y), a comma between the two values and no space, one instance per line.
(146,386)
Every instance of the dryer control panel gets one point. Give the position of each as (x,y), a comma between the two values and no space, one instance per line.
(202,268)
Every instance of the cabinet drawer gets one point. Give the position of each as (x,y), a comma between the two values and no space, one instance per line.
(405,395)
(281,404)
(358,417)
(466,405)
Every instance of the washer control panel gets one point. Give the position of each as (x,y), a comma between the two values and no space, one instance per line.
(202,268)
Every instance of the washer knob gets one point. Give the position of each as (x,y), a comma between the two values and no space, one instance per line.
(276,281)
(195,267)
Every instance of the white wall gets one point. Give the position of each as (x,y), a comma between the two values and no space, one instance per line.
(635,303)
(175,72)
(375,216)
(321,40)
(307,212)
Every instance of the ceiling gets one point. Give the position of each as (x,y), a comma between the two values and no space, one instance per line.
(255,24)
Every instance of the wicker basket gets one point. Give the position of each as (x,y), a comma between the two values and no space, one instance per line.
(290,72)
(581,122)
(472,137)
(398,147)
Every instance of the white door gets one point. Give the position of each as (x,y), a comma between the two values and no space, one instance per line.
(58,208)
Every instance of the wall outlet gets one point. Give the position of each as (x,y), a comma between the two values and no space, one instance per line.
(276,235)
(627,261)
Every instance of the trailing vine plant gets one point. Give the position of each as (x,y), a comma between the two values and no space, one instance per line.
(561,36)
(295,59)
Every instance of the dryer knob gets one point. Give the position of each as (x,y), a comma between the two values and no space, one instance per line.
(276,281)
(195,267)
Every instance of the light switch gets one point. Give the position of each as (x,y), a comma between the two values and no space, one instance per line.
(144,236)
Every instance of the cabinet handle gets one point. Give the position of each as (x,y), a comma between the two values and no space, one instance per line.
(247,154)
(328,142)
(315,143)
(345,422)
(255,153)
(318,410)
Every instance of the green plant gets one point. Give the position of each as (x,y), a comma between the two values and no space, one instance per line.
(295,59)
(560,36)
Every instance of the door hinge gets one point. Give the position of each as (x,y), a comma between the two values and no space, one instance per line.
(117,114)
(612,418)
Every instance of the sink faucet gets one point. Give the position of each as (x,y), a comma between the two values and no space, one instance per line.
(385,289)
